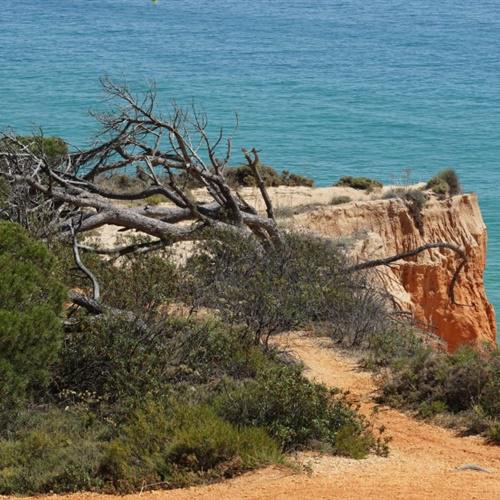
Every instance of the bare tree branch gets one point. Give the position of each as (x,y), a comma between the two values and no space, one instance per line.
(411,253)
(96,295)
(172,152)
(254,164)
(122,250)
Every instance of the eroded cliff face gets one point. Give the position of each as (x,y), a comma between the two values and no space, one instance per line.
(381,228)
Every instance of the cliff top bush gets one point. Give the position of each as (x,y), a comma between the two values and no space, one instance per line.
(362,183)
(296,412)
(445,182)
(243,176)
(339,200)
(176,444)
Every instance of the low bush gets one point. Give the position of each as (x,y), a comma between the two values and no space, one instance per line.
(52,451)
(162,443)
(392,346)
(466,382)
(445,182)
(493,433)
(173,444)
(140,283)
(122,183)
(339,200)
(296,412)
(299,282)
(53,148)
(116,360)
(285,212)
(362,183)
(4,195)
(243,176)
(290,179)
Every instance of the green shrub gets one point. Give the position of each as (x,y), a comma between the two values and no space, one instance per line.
(243,176)
(295,411)
(141,283)
(289,179)
(392,346)
(289,286)
(285,212)
(362,183)
(428,409)
(52,451)
(445,182)
(31,299)
(465,383)
(4,194)
(115,360)
(176,444)
(493,433)
(122,183)
(155,199)
(339,200)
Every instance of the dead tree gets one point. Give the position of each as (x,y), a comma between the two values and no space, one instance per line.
(172,153)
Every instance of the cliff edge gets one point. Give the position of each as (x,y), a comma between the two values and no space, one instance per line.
(380,228)
(383,227)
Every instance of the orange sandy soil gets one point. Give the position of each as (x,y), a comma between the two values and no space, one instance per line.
(422,462)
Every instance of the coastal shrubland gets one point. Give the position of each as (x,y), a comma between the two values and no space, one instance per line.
(155,398)
(53,148)
(239,176)
(299,282)
(340,200)
(161,369)
(243,176)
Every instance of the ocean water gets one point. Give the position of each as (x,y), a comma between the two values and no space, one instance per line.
(322,87)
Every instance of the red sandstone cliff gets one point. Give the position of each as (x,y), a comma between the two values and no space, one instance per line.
(382,228)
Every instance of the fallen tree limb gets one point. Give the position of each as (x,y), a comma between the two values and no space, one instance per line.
(122,250)
(411,253)
(96,308)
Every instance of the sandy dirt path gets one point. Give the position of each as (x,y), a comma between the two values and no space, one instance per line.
(422,464)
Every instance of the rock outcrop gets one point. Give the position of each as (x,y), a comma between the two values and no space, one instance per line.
(381,228)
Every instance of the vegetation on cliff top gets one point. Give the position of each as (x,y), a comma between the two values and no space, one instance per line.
(160,371)
(363,183)
(445,182)
(154,398)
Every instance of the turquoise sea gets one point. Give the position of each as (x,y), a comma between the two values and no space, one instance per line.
(322,87)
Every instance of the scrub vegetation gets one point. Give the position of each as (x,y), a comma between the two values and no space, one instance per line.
(151,364)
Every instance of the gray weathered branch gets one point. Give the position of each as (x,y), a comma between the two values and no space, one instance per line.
(412,253)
